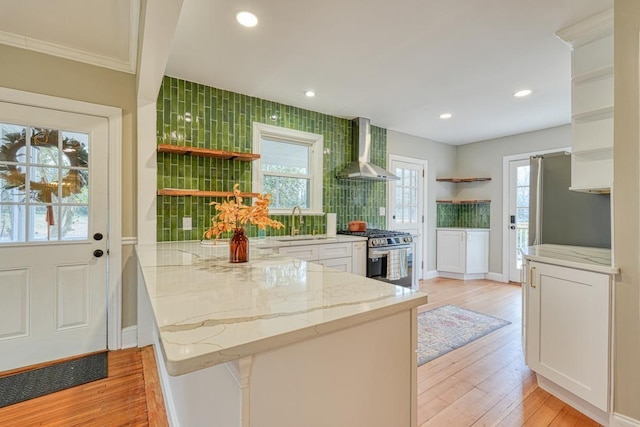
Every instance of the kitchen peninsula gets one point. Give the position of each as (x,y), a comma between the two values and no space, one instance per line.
(276,341)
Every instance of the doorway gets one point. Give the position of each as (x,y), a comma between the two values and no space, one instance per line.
(406,206)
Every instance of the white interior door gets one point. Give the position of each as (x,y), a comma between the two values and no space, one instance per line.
(406,205)
(53,242)
(518,215)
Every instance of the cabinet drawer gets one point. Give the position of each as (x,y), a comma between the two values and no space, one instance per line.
(341,264)
(307,253)
(337,250)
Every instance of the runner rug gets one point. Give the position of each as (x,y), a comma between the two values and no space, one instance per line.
(448,327)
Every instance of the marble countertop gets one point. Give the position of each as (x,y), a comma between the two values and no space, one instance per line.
(209,311)
(583,258)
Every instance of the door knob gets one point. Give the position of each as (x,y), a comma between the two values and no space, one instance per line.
(513,227)
(97,236)
(98,253)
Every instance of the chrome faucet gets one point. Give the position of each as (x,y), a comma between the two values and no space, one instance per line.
(295,230)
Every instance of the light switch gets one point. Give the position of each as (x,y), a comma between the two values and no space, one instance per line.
(382,211)
(187,224)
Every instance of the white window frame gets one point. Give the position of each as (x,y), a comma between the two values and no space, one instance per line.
(313,141)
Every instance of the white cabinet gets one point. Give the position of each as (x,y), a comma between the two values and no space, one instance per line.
(344,256)
(591,102)
(462,254)
(566,333)
(359,258)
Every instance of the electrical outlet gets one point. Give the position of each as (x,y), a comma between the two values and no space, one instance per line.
(382,211)
(187,223)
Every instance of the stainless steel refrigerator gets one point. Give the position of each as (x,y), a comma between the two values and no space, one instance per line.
(561,216)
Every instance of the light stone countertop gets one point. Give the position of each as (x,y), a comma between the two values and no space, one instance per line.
(463,229)
(209,311)
(583,258)
(304,239)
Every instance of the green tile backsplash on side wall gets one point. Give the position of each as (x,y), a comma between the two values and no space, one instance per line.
(223,120)
(463,215)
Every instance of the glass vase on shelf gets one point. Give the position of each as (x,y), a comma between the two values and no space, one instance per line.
(238,246)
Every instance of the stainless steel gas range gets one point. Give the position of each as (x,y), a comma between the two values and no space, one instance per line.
(389,255)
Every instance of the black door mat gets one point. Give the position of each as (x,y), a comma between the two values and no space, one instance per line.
(49,379)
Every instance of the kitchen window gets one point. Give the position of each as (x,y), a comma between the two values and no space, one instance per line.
(290,168)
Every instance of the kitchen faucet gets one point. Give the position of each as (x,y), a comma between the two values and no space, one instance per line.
(295,230)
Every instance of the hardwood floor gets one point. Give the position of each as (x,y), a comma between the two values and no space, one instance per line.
(484,383)
(129,396)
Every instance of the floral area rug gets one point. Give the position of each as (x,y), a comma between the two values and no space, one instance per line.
(449,327)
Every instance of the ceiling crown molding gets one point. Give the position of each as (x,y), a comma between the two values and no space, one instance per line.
(67,52)
(593,28)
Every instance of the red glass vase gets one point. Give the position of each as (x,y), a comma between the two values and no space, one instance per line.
(238,246)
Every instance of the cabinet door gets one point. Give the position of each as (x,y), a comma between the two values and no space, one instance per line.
(307,252)
(341,264)
(568,330)
(359,258)
(477,252)
(450,252)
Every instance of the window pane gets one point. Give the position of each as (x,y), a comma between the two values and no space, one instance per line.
(44,184)
(74,222)
(12,223)
(285,157)
(287,192)
(522,196)
(522,215)
(523,175)
(43,223)
(75,186)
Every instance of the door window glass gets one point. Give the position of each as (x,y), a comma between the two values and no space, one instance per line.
(522,211)
(44,178)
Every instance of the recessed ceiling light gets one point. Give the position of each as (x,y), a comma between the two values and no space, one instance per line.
(523,92)
(309,93)
(446,115)
(247,19)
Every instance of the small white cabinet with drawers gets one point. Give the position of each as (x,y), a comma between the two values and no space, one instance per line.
(344,256)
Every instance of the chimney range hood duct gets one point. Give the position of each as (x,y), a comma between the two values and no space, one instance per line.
(363,169)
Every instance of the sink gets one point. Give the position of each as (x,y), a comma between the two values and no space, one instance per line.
(301,238)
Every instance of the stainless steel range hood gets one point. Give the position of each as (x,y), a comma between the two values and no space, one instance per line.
(362,169)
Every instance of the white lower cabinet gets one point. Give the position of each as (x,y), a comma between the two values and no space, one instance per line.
(348,257)
(462,254)
(567,333)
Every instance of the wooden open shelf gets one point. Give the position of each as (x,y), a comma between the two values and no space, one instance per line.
(458,202)
(456,180)
(206,152)
(199,193)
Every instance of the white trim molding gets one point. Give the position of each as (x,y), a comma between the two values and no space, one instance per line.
(496,277)
(67,52)
(130,337)
(619,420)
(114,230)
(593,28)
(129,241)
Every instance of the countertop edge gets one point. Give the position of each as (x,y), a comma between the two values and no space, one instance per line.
(555,258)
(181,367)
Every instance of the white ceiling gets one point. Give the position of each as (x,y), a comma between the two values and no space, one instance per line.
(399,63)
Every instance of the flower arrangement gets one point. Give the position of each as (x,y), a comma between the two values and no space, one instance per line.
(233,214)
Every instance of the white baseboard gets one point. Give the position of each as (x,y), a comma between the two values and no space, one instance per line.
(461,276)
(618,420)
(431,274)
(496,277)
(130,337)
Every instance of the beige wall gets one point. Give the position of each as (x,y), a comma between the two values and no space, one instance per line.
(49,75)
(485,159)
(441,162)
(626,210)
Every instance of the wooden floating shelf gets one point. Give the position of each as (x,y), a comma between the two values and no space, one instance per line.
(200,193)
(206,152)
(459,202)
(456,180)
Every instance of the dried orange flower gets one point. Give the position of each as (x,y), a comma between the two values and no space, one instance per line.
(234,214)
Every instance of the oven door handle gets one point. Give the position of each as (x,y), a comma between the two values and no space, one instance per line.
(382,253)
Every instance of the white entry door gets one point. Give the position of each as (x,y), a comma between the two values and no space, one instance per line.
(518,215)
(406,204)
(53,242)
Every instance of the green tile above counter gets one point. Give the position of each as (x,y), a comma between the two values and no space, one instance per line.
(464,215)
(195,115)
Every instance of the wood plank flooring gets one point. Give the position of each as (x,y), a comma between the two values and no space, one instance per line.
(484,383)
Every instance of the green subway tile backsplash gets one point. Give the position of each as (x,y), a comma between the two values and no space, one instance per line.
(464,215)
(196,115)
